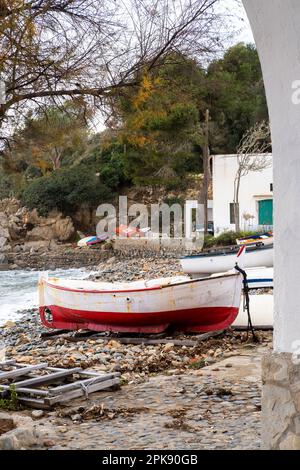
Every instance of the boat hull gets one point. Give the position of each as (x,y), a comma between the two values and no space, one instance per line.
(218,263)
(261,308)
(195,306)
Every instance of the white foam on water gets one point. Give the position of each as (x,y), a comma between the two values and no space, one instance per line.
(19,292)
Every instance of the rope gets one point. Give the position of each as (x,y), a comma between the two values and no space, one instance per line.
(85,389)
(246,305)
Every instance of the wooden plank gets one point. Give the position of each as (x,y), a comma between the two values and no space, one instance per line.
(33,391)
(7,363)
(22,371)
(257,328)
(79,392)
(43,379)
(207,336)
(83,383)
(176,342)
(90,373)
(49,334)
(34,403)
(78,338)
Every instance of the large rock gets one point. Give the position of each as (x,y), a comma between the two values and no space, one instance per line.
(21,433)
(10,206)
(3,259)
(19,224)
(4,232)
(4,225)
(6,423)
(64,229)
(85,217)
(16,228)
(45,232)
(54,227)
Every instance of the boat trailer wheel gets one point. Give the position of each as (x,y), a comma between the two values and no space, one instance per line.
(48,315)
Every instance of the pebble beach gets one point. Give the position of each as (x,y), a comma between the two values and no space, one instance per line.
(176,392)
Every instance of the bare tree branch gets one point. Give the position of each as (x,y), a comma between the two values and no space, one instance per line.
(252,156)
(51,50)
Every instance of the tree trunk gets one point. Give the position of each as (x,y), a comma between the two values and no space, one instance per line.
(206,172)
(56,160)
(237,184)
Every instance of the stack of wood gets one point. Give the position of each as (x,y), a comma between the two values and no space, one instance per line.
(41,386)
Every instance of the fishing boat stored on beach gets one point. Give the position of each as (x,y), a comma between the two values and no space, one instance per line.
(199,305)
(220,261)
(258,240)
(261,307)
(260,278)
(93,240)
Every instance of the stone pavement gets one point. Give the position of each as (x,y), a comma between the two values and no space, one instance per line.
(217,407)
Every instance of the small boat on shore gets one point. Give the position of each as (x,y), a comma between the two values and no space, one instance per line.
(221,261)
(257,240)
(260,278)
(261,308)
(198,305)
(93,240)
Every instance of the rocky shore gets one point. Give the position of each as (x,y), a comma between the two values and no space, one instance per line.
(179,392)
(106,352)
(202,395)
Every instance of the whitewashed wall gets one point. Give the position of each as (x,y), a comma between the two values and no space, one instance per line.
(254,187)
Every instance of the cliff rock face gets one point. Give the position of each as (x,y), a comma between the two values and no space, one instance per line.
(4,232)
(20,225)
(55,227)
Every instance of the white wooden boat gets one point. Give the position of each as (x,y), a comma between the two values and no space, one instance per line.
(258,240)
(143,306)
(260,278)
(223,260)
(93,240)
(261,310)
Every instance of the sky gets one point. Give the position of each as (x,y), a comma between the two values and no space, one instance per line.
(239,19)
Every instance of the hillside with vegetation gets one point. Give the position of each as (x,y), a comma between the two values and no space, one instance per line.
(153,137)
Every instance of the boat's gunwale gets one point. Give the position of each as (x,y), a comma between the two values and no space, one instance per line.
(146,289)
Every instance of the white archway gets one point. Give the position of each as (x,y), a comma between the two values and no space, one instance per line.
(276,29)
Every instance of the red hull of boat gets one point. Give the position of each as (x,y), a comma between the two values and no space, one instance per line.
(192,320)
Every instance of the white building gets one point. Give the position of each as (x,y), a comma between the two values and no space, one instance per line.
(255,197)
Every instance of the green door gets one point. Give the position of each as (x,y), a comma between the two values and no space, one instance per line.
(266,212)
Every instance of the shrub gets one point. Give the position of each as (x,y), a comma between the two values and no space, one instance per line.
(174,200)
(225,239)
(112,173)
(65,190)
(6,185)
(10,403)
(170,185)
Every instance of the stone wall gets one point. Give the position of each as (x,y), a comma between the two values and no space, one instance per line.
(281,402)
(156,245)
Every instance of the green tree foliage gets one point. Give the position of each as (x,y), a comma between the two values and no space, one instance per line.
(155,135)
(6,184)
(66,190)
(159,120)
(49,137)
(236,96)
(162,120)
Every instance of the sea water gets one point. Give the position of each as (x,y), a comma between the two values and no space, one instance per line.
(19,290)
